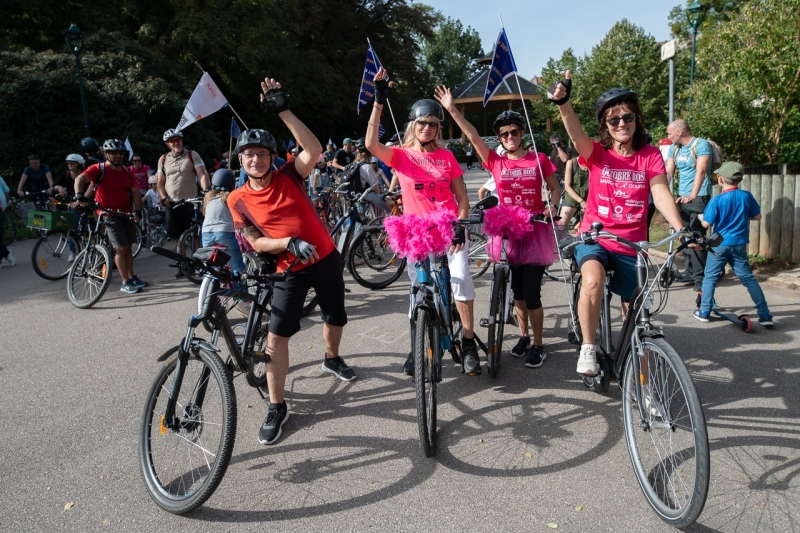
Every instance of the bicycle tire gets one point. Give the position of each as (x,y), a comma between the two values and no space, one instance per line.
(478,258)
(180,469)
(663,465)
(50,254)
(9,230)
(379,266)
(557,272)
(138,244)
(496,322)
(188,243)
(425,378)
(89,276)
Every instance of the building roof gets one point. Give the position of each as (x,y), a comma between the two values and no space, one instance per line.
(473,89)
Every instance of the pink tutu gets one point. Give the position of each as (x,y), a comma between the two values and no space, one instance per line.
(537,247)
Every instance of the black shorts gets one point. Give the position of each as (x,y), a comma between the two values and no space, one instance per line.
(289,297)
(179,220)
(121,231)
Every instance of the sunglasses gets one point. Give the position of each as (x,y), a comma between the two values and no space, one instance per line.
(627,118)
(509,133)
(424,124)
(115,152)
(136,160)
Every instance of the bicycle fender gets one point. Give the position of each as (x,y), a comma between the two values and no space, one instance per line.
(653,333)
(200,343)
(166,355)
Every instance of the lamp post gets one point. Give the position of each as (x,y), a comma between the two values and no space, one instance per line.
(74,37)
(696,12)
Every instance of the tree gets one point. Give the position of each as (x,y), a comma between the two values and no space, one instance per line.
(717,12)
(450,56)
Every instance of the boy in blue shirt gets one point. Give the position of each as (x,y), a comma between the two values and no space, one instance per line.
(730,213)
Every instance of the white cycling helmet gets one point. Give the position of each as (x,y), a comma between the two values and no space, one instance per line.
(75,158)
(152,179)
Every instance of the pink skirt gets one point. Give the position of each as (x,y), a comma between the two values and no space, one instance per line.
(537,248)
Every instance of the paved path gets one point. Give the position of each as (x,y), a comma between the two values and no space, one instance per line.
(518,452)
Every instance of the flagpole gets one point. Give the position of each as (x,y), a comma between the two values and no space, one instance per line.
(229,104)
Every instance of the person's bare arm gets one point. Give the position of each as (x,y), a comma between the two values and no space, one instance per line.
(555,191)
(582,142)
(381,151)
(568,171)
(757,217)
(445,98)
(205,179)
(22,181)
(264,244)
(306,160)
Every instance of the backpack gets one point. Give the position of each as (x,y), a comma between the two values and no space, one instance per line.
(103,173)
(352,175)
(715,161)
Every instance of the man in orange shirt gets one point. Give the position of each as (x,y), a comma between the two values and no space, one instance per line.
(274,213)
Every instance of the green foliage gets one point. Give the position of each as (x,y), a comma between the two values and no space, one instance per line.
(450,55)
(717,12)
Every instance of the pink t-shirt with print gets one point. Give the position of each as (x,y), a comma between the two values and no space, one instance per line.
(425,178)
(518,181)
(618,191)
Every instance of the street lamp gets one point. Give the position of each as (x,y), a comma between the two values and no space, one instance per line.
(74,37)
(696,12)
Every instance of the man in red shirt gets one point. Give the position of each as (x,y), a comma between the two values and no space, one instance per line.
(274,213)
(113,186)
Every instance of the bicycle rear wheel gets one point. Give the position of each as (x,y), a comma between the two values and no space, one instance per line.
(426,374)
(372,263)
(89,276)
(182,466)
(51,254)
(188,244)
(478,258)
(138,244)
(496,322)
(669,447)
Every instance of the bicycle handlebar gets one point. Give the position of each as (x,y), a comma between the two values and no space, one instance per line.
(597,232)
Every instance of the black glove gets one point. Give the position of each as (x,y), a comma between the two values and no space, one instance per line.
(81,198)
(459,236)
(300,248)
(567,85)
(276,101)
(382,91)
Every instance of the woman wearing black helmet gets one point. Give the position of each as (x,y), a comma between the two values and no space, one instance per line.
(518,178)
(431,179)
(623,170)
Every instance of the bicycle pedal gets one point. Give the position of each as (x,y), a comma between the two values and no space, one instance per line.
(261,357)
(484,322)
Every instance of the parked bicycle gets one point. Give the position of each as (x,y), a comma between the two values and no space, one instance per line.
(190,240)
(57,243)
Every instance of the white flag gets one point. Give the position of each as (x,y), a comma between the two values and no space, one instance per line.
(130,148)
(206,99)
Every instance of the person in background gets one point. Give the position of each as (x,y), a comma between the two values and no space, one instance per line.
(469,151)
(141,172)
(218,222)
(41,179)
(576,185)
(6,257)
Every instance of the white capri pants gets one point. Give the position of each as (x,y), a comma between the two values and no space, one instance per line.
(460,278)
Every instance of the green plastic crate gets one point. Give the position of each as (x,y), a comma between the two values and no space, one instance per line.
(50,220)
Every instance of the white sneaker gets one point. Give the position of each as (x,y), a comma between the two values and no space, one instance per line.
(10,261)
(651,404)
(587,361)
(70,257)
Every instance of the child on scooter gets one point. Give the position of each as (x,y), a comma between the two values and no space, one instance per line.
(730,213)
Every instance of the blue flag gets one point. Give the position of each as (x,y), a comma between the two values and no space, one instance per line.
(235,131)
(381,131)
(291,144)
(503,66)
(367,85)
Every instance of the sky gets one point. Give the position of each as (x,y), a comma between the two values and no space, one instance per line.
(538,31)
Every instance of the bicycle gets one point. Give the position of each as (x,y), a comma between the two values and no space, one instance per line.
(190,240)
(90,273)
(663,420)
(188,425)
(152,228)
(57,243)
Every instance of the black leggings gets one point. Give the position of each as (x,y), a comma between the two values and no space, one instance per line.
(526,284)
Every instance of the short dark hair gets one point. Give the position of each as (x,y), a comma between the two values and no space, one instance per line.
(639,135)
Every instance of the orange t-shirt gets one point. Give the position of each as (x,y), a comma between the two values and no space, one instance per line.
(281,209)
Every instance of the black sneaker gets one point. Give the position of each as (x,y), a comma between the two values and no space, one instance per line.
(270,431)
(472,362)
(536,357)
(522,347)
(337,367)
(136,281)
(766,320)
(408,366)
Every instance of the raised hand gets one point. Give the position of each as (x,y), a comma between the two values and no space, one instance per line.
(443,95)
(561,90)
(382,87)
(273,97)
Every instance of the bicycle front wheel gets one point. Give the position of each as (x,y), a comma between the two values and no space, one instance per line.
(138,244)
(89,276)
(183,465)
(372,263)
(52,254)
(496,321)
(667,440)
(188,244)
(426,374)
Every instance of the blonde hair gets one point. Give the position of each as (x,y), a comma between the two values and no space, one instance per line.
(409,138)
(223,196)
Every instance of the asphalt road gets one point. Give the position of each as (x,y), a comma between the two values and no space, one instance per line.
(529,448)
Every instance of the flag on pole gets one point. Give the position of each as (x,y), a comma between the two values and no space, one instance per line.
(381,131)
(503,66)
(291,144)
(206,99)
(235,131)
(367,85)
(130,148)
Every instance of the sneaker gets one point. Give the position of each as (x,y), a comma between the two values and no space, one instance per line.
(472,362)
(766,321)
(70,257)
(10,260)
(337,367)
(136,281)
(522,347)
(130,287)
(683,278)
(536,357)
(587,361)
(270,431)
(408,366)
(701,316)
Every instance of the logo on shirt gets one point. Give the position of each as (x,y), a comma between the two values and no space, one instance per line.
(634,203)
(623,175)
(516,185)
(618,193)
(602,210)
(518,172)
(418,186)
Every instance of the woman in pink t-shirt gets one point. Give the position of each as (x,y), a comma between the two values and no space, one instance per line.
(623,170)
(518,177)
(431,179)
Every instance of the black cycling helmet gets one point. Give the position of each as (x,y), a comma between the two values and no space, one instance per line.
(114,145)
(256,137)
(426,108)
(361,144)
(171,134)
(508,117)
(611,97)
(89,145)
(223,180)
